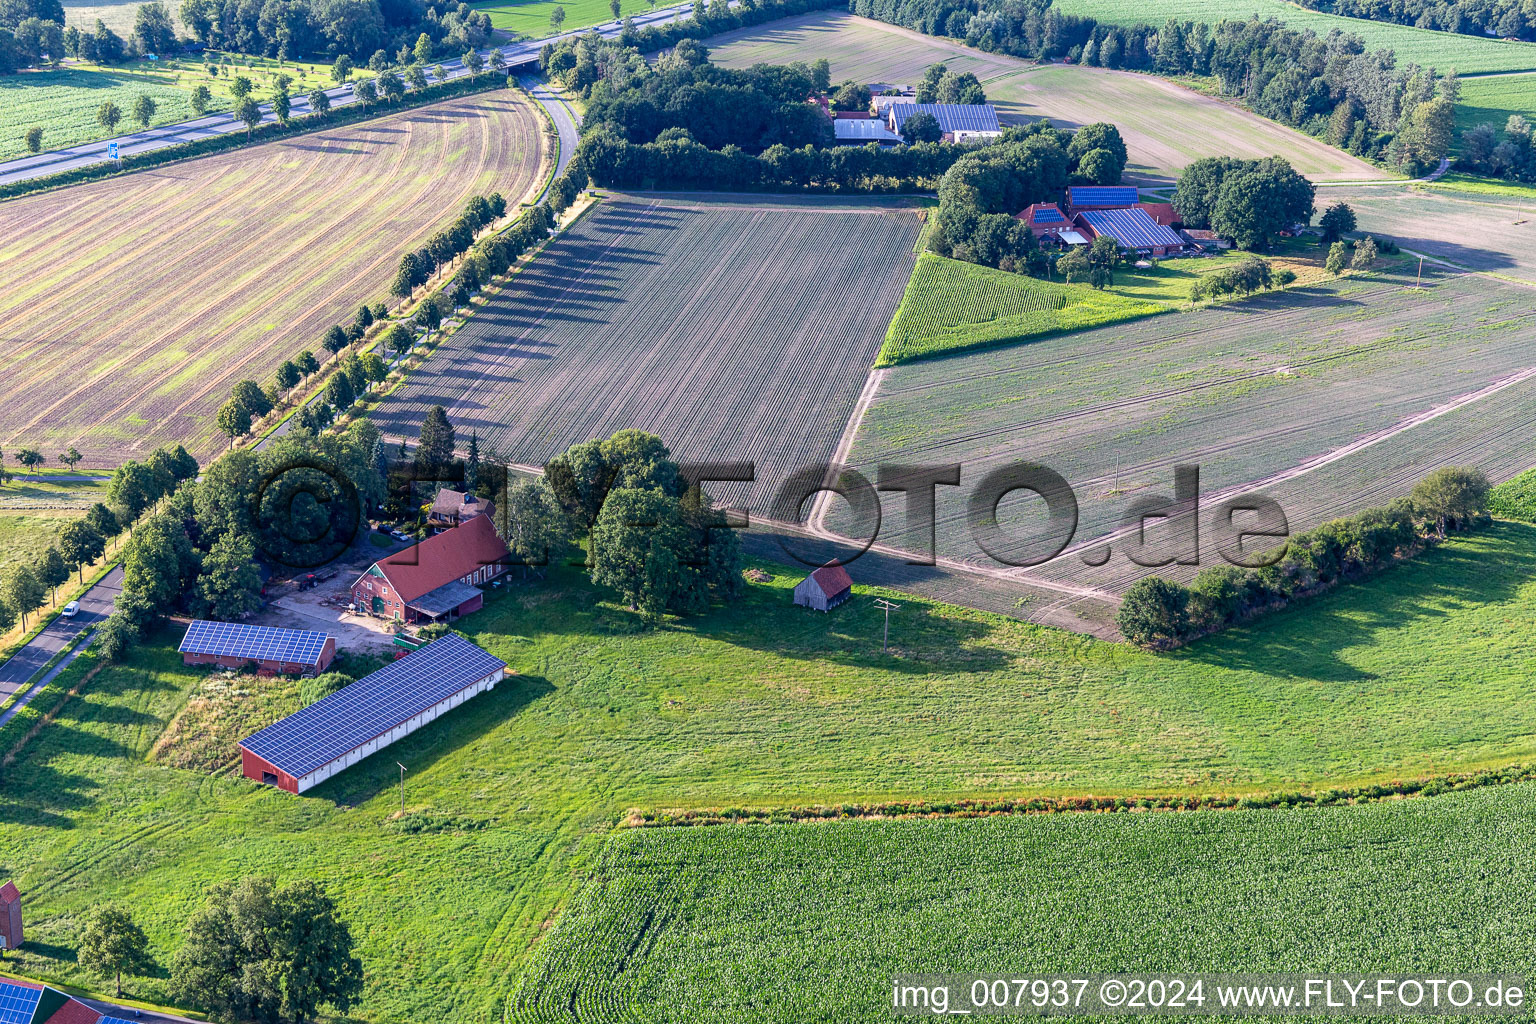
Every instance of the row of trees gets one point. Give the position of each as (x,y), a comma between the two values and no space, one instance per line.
(1253,274)
(446,246)
(254,951)
(1327,86)
(364,30)
(1162,614)
(33,31)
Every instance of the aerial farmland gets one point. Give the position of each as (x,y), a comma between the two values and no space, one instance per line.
(179,284)
(1155,607)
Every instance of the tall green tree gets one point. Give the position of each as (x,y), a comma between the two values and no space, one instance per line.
(200,100)
(531,520)
(30,458)
(249,113)
(158,561)
(1338,258)
(113,945)
(338,391)
(258,952)
(52,571)
(144,109)
(234,420)
(342,69)
(229,584)
(108,115)
(23,591)
(1451,496)
(319,102)
(249,394)
(34,139)
(1337,221)
(434,452)
(1154,612)
(80,545)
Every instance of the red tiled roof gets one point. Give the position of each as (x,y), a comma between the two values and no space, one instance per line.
(74,1012)
(8,893)
(443,558)
(34,986)
(832,579)
(1163,213)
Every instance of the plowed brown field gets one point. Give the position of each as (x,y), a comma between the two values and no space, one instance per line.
(132,306)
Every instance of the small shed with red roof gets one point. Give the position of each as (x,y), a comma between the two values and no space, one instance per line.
(824,589)
(10,916)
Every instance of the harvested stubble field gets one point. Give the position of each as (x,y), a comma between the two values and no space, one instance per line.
(703,924)
(1468,54)
(1467,228)
(1247,391)
(511,797)
(134,304)
(1165,125)
(733,329)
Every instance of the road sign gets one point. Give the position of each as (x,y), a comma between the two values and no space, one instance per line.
(112,150)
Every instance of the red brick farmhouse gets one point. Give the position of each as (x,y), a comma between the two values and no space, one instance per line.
(435,580)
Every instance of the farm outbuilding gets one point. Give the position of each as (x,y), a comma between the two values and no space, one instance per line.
(273,651)
(455,508)
(960,122)
(853,131)
(435,580)
(11,934)
(824,589)
(332,734)
(1100,197)
(1133,229)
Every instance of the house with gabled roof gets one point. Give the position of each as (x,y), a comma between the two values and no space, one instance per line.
(437,580)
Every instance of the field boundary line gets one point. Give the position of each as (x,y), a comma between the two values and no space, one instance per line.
(845,443)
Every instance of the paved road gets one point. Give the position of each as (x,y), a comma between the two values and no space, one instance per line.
(95,605)
(565,122)
(54,161)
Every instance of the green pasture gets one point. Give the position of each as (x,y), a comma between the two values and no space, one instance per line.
(512,798)
(702,924)
(1493,98)
(531,19)
(1426,47)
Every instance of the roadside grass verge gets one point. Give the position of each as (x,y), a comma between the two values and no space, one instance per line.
(952,306)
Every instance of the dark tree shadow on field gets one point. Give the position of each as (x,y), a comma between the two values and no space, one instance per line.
(1309,636)
(342,150)
(426,746)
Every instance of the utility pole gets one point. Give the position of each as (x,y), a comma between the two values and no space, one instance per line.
(885,642)
(1418,285)
(402,788)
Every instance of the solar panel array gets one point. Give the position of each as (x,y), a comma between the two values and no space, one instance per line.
(1102,195)
(253,643)
(863,129)
(116,1020)
(1048,215)
(952,117)
(1133,229)
(17,1004)
(372,706)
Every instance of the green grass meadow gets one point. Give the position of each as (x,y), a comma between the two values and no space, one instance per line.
(531,19)
(514,797)
(1492,99)
(703,924)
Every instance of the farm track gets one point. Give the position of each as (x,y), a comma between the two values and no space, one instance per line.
(697,321)
(138,340)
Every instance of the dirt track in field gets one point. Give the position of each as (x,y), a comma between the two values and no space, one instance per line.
(134,305)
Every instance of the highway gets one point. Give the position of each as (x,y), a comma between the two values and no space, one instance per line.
(517,55)
(95,606)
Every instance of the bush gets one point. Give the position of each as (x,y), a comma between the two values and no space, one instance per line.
(322,686)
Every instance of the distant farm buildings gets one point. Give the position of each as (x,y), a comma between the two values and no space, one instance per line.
(455,508)
(960,122)
(273,651)
(332,734)
(857,131)
(436,580)
(824,589)
(1113,211)
(11,935)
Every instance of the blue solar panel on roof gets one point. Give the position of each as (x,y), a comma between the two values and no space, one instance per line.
(1103,195)
(372,706)
(116,1020)
(1048,215)
(1134,229)
(952,117)
(17,1004)
(254,643)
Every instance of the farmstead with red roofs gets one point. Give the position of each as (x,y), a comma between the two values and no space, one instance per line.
(436,580)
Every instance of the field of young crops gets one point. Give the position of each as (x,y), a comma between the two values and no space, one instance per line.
(1245,391)
(531,17)
(721,924)
(733,330)
(511,797)
(1426,47)
(1165,125)
(63,102)
(951,306)
(134,304)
